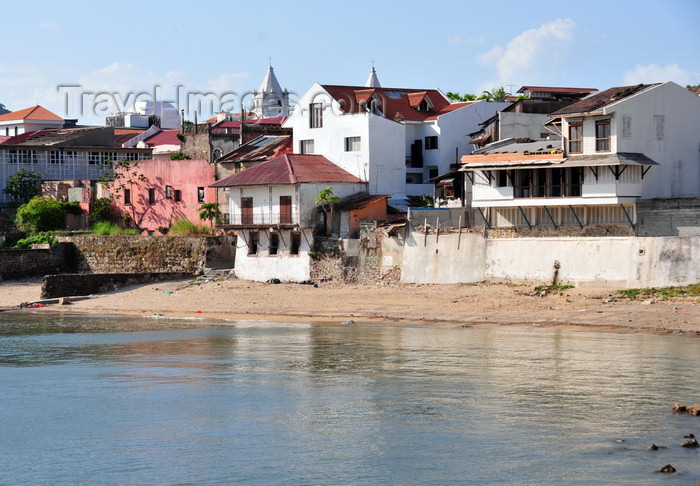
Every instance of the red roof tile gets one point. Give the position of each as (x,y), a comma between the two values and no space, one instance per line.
(393,102)
(32,113)
(289,169)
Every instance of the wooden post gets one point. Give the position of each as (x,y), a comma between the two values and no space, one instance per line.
(459,233)
(425,231)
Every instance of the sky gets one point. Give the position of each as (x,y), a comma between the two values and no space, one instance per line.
(88,59)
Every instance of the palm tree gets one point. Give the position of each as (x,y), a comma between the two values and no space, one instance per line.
(211,212)
(496,94)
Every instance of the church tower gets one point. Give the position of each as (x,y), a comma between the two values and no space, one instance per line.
(269,100)
(373,80)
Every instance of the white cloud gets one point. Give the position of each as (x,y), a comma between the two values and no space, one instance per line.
(654,74)
(48,26)
(533,52)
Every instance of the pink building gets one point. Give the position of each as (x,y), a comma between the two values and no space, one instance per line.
(163,191)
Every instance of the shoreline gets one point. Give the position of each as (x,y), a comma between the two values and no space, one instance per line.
(436,305)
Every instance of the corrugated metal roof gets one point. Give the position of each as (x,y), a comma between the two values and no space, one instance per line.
(599,100)
(164,137)
(289,169)
(259,149)
(576,161)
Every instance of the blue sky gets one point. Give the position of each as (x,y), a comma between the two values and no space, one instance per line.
(223,47)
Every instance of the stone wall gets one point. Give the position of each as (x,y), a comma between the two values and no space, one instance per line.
(150,254)
(668,217)
(69,285)
(17,264)
(546,231)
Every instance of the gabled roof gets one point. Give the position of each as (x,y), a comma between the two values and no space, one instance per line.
(395,102)
(32,113)
(598,101)
(260,149)
(289,169)
(163,137)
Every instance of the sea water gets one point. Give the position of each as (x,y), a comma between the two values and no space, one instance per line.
(97,400)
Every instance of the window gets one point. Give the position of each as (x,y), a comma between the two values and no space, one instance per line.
(151,196)
(127,197)
(602,136)
(352,144)
(431,143)
(306,146)
(274,243)
(246,210)
(55,157)
(94,158)
(177,195)
(253,243)
(575,138)
(316,115)
(200,194)
(295,243)
(285,209)
(168,192)
(659,121)
(502,178)
(626,126)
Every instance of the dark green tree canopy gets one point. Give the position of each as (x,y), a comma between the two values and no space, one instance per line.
(23,185)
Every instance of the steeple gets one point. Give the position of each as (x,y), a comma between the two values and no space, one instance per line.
(373,80)
(270,100)
(270,83)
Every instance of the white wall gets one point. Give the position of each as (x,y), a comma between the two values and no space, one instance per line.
(612,262)
(283,266)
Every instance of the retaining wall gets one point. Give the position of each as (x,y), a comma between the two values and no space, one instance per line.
(614,262)
(54,286)
(17,264)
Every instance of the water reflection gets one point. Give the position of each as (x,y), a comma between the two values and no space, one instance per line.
(330,403)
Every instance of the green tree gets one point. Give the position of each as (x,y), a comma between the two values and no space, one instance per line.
(209,212)
(461,97)
(23,185)
(326,199)
(496,94)
(43,214)
(120,176)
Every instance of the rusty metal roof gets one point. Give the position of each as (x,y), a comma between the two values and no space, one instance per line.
(602,99)
(260,149)
(289,169)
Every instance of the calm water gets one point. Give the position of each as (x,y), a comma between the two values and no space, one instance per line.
(83,401)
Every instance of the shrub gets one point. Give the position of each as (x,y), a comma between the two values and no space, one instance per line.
(179,156)
(102,210)
(42,214)
(184,227)
(37,239)
(106,228)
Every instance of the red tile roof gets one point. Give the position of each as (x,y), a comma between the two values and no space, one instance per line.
(599,100)
(32,113)
(393,102)
(289,169)
(164,137)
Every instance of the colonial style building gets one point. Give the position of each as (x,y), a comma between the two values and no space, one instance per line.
(618,146)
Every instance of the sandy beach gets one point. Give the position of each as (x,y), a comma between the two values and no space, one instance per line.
(394,304)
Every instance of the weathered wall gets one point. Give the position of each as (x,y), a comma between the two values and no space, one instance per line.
(668,217)
(137,254)
(447,258)
(54,286)
(615,262)
(16,264)
(284,266)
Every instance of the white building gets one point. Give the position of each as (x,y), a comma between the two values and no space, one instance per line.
(273,208)
(395,139)
(618,146)
(29,120)
(270,100)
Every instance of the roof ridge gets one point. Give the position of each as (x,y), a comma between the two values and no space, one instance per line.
(290,166)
